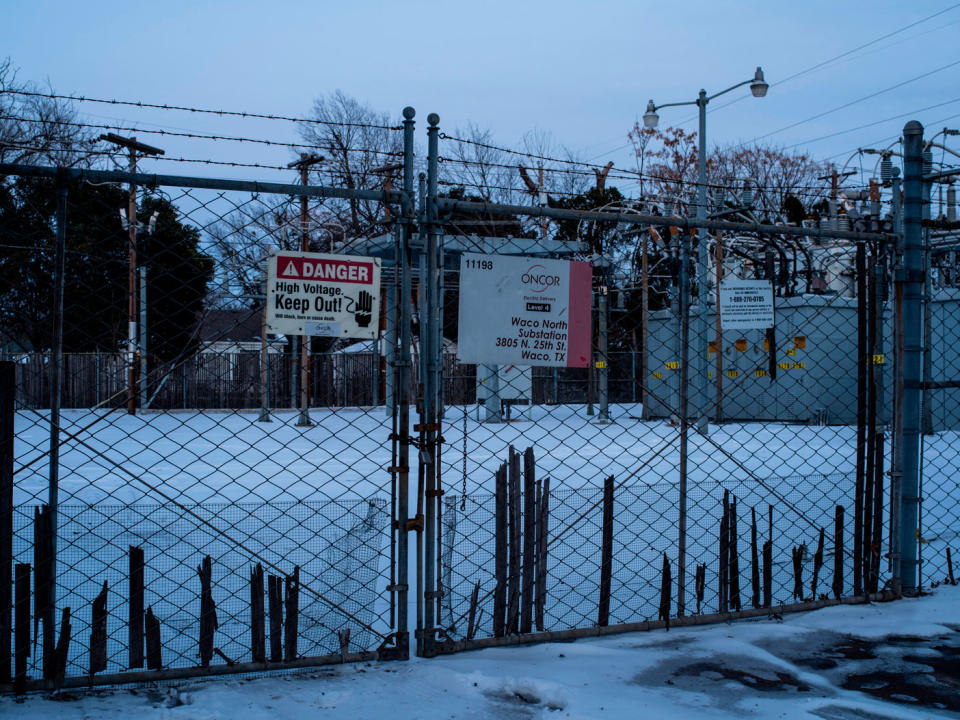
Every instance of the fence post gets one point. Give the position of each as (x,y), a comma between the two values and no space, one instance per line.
(402,386)
(7,380)
(428,335)
(911,275)
(603,377)
(56,383)
(684,422)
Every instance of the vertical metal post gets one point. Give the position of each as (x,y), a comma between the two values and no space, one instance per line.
(604,362)
(491,395)
(7,417)
(402,385)
(912,278)
(644,326)
(264,367)
(684,423)
(428,337)
(56,381)
(143,337)
(703,279)
(132,290)
(718,343)
(925,404)
(896,413)
(304,420)
(390,347)
(926,425)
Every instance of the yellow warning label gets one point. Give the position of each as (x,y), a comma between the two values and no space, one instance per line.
(600,364)
(658,375)
(760,373)
(799,366)
(792,351)
(878,359)
(733,373)
(672,365)
(783,365)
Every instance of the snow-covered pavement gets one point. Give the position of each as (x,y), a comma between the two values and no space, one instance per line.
(870,662)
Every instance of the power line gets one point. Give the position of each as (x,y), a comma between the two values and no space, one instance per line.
(852,102)
(834,59)
(866,125)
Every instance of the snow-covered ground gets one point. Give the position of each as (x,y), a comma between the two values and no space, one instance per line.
(891,661)
(329,482)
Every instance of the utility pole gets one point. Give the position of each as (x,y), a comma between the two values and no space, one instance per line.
(303,165)
(133,147)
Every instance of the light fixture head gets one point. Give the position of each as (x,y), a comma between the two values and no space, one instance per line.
(650,117)
(759,86)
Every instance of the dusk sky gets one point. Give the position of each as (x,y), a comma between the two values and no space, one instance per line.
(580,71)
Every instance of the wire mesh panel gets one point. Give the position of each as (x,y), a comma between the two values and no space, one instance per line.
(697,464)
(201,486)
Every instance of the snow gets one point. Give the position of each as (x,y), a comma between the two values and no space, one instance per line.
(327,484)
(757,669)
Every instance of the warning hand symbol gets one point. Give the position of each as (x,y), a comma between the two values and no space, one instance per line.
(364,306)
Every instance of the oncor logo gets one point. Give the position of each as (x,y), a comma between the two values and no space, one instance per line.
(539,280)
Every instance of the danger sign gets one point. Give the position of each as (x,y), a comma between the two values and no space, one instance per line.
(326,295)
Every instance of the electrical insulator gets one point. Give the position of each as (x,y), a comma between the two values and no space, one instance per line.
(843,222)
(886,170)
(927,162)
(747,195)
(951,204)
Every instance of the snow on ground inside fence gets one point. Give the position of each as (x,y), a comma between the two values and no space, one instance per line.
(888,661)
(229,456)
(113,463)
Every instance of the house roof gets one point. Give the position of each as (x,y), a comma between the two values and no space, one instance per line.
(241,325)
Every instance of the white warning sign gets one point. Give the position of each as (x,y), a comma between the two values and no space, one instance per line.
(319,294)
(746,304)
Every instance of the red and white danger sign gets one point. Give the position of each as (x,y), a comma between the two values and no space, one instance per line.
(319,294)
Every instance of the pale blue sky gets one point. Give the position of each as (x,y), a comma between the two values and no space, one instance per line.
(580,70)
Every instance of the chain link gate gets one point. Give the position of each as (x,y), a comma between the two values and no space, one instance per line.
(208,500)
(738,473)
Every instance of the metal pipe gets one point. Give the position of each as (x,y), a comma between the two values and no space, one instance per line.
(402,387)
(152,180)
(603,364)
(455,646)
(428,323)
(912,279)
(684,422)
(143,338)
(132,288)
(56,385)
(148,676)
(703,279)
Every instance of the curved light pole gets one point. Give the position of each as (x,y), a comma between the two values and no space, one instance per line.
(759,87)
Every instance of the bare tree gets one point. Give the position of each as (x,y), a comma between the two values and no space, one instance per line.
(362,149)
(37,129)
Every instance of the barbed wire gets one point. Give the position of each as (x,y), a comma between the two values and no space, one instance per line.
(198,136)
(205,111)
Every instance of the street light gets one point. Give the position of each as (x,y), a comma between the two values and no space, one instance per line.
(758,88)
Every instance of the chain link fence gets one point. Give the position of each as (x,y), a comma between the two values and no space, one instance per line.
(182,503)
(190,494)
